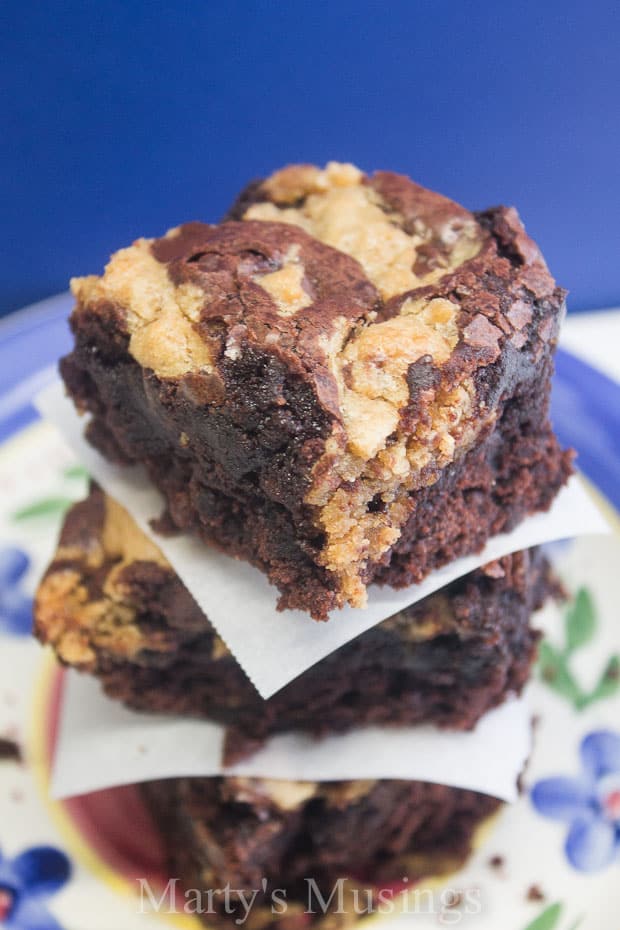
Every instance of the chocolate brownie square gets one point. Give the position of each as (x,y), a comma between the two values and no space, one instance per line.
(345,381)
(112,606)
(296,854)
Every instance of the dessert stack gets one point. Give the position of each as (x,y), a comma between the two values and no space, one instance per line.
(345,383)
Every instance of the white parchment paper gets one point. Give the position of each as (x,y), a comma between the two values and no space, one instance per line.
(275,647)
(102,744)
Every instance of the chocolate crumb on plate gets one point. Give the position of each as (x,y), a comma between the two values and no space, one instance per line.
(9,750)
(535,894)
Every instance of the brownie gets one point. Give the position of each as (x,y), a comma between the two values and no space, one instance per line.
(346,380)
(111,605)
(300,844)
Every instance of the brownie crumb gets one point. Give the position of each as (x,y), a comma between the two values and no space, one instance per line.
(497,862)
(535,894)
(9,750)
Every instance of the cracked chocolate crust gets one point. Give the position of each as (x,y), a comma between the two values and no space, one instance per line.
(301,380)
(111,605)
(250,834)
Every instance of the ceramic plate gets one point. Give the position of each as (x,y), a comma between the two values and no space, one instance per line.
(549,862)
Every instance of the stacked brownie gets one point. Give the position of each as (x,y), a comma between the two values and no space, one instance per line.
(345,382)
(111,605)
(338,850)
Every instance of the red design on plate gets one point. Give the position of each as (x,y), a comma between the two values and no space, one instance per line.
(6,903)
(114,823)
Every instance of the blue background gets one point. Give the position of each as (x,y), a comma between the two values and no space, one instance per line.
(123,119)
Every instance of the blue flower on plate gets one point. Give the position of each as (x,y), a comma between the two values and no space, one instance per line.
(589,803)
(26,882)
(15,605)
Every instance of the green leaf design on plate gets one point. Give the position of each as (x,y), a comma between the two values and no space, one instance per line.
(55,505)
(609,682)
(45,507)
(580,621)
(556,673)
(74,472)
(554,663)
(549,918)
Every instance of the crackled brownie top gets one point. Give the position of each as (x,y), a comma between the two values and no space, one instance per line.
(384,297)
